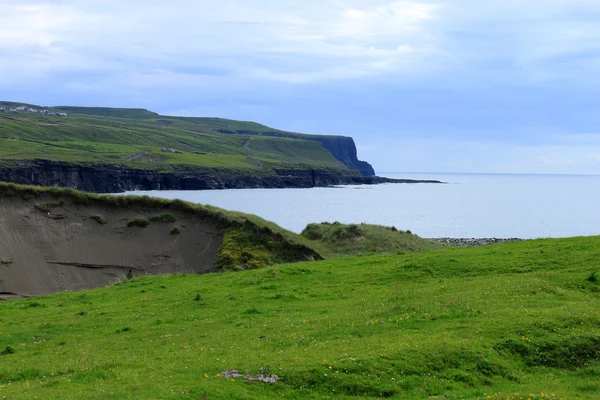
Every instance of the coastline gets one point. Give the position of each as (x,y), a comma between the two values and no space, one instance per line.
(471,242)
(103,178)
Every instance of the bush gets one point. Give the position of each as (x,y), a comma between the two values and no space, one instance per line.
(141,222)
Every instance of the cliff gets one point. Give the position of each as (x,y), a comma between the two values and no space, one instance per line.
(342,148)
(113,179)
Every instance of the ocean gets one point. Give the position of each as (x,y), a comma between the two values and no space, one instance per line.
(467,206)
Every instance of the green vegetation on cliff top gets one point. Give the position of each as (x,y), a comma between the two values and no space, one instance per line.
(134,138)
(511,321)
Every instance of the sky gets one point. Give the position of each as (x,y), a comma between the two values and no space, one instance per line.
(495,86)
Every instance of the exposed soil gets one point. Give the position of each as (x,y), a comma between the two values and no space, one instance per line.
(46,249)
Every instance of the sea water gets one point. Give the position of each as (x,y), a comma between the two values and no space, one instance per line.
(468,205)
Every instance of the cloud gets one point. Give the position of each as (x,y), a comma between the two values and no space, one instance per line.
(316,42)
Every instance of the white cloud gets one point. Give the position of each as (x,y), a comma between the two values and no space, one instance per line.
(318,41)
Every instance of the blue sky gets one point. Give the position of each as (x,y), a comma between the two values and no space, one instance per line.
(449,85)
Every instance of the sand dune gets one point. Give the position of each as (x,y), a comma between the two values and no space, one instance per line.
(49,249)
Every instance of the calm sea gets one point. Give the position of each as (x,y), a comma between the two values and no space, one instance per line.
(470,205)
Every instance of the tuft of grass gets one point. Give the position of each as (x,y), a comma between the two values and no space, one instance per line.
(163,218)
(99,219)
(199,299)
(174,231)
(593,277)
(7,350)
(141,222)
(244,249)
(49,205)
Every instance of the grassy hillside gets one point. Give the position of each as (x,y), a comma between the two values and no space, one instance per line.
(134,138)
(512,321)
(338,240)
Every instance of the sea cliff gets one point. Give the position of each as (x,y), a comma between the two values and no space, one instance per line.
(106,178)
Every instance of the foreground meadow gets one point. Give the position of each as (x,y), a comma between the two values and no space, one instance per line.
(518,320)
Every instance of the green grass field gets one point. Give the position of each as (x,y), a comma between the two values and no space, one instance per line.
(512,321)
(134,138)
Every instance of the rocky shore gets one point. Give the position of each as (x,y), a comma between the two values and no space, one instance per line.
(464,242)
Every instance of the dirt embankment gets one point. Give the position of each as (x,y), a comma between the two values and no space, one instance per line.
(48,246)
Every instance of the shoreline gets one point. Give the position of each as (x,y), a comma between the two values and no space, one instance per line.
(102,178)
(471,242)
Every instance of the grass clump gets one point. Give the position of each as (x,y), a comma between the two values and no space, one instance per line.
(49,205)
(593,277)
(141,222)
(99,219)
(336,239)
(252,249)
(174,231)
(163,218)
(7,350)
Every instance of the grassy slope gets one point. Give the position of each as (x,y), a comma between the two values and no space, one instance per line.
(518,320)
(134,138)
(339,240)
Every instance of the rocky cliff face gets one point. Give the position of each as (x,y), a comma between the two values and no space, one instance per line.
(114,179)
(341,147)
(344,149)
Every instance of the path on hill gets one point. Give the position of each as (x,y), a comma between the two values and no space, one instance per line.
(251,153)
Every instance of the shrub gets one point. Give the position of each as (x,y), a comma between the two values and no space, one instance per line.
(141,222)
